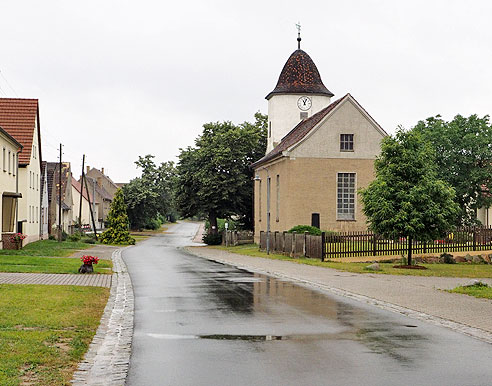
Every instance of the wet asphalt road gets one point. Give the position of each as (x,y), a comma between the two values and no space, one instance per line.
(202,323)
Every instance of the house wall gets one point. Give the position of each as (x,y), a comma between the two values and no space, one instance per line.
(86,215)
(283,114)
(485,216)
(29,185)
(44,209)
(7,179)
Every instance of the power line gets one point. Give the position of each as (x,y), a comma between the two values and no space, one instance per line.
(8,84)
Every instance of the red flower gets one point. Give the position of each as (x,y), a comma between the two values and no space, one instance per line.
(89,260)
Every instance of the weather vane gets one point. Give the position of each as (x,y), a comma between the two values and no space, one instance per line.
(298,26)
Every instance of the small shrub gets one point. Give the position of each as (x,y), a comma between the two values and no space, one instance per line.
(89,240)
(51,237)
(64,236)
(74,237)
(447,258)
(305,228)
(212,238)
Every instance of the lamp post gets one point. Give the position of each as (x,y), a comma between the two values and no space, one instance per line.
(257,178)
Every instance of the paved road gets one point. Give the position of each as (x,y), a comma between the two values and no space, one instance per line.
(203,323)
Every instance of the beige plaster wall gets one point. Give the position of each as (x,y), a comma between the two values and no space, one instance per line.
(309,185)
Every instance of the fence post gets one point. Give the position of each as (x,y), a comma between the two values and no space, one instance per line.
(293,245)
(275,244)
(474,239)
(374,244)
(323,238)
(305,244)
(283,242)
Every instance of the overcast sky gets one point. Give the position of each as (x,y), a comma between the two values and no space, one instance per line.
(119,79)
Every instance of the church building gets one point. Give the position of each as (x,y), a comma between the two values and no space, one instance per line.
(319,154)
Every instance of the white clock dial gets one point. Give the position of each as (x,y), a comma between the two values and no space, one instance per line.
(304,103)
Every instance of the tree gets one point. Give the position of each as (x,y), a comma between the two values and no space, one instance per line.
(214,177)
(463,150)
(152,195)
(407,199)
(117,232)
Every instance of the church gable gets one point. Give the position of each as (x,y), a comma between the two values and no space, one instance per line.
(346,132)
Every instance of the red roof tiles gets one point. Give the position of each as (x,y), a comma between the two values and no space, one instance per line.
(18,118)
(300,76)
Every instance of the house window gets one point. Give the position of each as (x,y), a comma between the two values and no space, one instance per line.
(4,161)
(346,196)
(30,179)
(9,205)
(269,129)
(37,214)
(346,142)
(9,163)
(14,159)
(259,201)
(278,196)
(37,181)
(269,184)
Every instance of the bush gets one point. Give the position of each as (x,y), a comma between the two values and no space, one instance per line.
(305,228)
(153,224)
(89,240)
(74,237)
(64,236)
(221,225)
(117,232)
(212,238)
(51,237)
(447,258)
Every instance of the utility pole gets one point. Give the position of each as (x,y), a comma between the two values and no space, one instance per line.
(92,213)
(60,197)
(81,195)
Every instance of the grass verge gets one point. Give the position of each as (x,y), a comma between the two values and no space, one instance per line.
(36,264)
(443,270)
(48,248)
(479,291)
(45,331)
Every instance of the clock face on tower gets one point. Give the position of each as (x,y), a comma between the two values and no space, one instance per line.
(304,103)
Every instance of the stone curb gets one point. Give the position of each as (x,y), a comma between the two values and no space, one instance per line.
(108,359)
(441,322)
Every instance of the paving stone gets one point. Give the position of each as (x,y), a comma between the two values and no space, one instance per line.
(56,279)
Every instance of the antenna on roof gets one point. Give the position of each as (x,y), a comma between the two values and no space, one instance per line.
(298,26)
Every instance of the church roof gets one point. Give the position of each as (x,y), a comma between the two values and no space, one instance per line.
(300,76)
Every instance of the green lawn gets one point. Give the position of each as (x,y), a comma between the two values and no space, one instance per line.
(451,270)
(479,291)
(45,331)
(48,248)
(48,264)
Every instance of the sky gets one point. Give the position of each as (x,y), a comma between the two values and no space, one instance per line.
(121,79)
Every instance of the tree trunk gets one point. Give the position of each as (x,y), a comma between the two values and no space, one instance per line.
(409,250)
(212,219)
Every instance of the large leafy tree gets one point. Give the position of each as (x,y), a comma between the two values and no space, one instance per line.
(214,178)
(463,150)
(152,194)
(407,198)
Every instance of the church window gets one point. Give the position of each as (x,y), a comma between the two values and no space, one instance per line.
(346,196)
(278,197)
(346,142)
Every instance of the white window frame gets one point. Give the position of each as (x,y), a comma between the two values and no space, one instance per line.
(346,216)
(344,142)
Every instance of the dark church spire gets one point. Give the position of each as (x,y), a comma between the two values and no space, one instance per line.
(298,26)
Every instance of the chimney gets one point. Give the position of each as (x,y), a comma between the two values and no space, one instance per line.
(102,170)
(88,168)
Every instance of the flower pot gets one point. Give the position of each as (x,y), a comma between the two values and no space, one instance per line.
(86,268)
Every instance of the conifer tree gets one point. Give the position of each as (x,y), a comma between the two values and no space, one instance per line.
(117,232)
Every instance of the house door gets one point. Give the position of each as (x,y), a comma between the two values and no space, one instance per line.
(315,220)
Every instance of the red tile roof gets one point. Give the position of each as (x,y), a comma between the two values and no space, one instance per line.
(298,132)
(300,76)
(18,118)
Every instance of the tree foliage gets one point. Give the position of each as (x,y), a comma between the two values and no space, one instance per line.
(463,150)
(407,199)
(117,221)
(152,194)
(214,177)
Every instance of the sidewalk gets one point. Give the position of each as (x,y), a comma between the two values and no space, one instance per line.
(56,279)
(416,296)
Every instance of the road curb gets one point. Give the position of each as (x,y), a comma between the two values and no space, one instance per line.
(473,332)
(108,359)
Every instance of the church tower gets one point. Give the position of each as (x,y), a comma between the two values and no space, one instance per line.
(299,94)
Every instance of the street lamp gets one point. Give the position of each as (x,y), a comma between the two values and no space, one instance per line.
(257,178)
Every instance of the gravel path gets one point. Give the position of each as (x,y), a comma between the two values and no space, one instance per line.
(416,296)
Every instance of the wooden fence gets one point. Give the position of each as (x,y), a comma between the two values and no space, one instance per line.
(358,244)
(232,238)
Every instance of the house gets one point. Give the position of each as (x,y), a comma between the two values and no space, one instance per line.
(87,205)
(44,202)
(319,153)
(53,182)
(20,119)
(103,189)
(9,187)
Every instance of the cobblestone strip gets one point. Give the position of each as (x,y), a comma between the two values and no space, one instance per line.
(108,358)
(474,332)
(56,279)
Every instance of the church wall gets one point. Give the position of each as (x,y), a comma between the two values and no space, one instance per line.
(309,185)
(346,119)
(284,115)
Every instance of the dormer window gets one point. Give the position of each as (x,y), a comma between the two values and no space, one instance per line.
(346,142)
